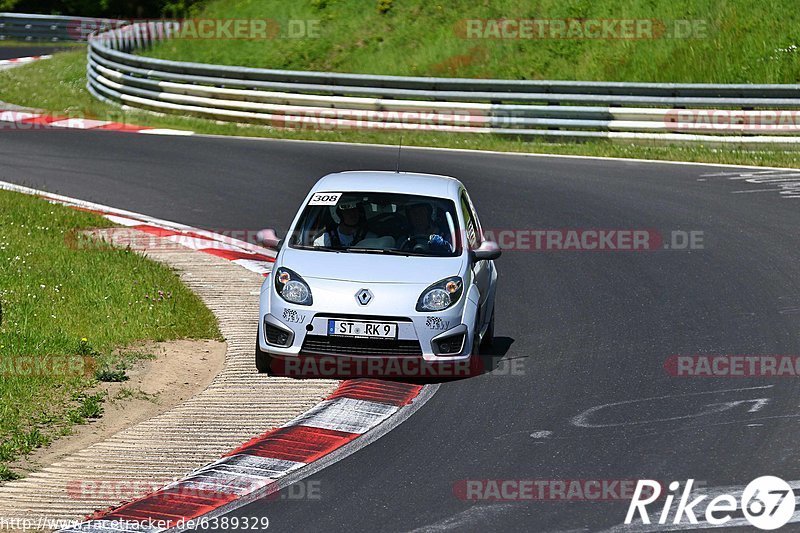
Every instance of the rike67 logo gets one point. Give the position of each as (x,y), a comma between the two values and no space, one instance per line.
(766,502)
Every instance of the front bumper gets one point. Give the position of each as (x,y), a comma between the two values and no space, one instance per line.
(433,341)
(445,336)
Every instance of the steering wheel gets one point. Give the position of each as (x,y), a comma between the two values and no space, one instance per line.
(416,243)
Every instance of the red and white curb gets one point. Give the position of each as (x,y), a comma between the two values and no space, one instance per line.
(250,256)
(253,470)
(33,120)
(358,412)
(30,120)
(22,60)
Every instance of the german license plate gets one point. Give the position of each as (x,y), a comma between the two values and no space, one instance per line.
(355,328)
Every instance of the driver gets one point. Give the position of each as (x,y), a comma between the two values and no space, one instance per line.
(351,228)
(423,229)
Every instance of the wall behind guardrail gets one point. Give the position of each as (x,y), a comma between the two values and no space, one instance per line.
(673,113)
(52,28)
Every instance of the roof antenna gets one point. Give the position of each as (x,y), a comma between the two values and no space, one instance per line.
(399,146)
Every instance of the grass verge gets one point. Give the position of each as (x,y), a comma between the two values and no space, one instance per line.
(714,41)
(58,85)
(66,312)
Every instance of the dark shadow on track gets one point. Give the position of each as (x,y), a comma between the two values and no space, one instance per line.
(396,369)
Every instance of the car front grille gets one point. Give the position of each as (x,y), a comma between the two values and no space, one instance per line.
(347,346)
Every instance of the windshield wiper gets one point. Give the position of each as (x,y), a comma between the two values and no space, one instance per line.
(389,251)
(321,248)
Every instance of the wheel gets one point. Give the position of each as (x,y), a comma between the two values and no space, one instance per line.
(476,366)
(488,337)
(263,360)
(476,340)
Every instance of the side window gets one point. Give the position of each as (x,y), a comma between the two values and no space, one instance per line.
(470,222)
(476,220)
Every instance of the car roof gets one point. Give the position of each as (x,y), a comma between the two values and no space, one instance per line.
(393,182)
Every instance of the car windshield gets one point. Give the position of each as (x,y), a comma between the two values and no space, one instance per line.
(377,222)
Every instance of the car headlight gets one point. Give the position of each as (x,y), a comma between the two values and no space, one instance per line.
(440,295)
(292,287)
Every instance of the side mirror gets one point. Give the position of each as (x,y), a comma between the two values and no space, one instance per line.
(269,239)
(487,251)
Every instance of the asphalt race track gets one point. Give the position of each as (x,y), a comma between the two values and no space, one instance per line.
(13,52)
(581,329)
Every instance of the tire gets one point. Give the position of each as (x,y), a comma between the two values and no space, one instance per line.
(263,360)
(476,366)
(488,337)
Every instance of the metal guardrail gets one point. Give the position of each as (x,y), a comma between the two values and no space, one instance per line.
(741,114)
(53,28)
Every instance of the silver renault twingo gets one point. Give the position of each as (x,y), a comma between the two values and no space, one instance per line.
(379,265)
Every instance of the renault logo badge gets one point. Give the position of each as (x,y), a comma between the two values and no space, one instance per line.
(364,296)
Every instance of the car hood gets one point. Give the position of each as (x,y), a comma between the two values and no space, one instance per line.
(369,267)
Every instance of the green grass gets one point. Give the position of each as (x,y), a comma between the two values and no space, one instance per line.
(109,375)
(58,85)
(61,302)
(7,474)
(742,41)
